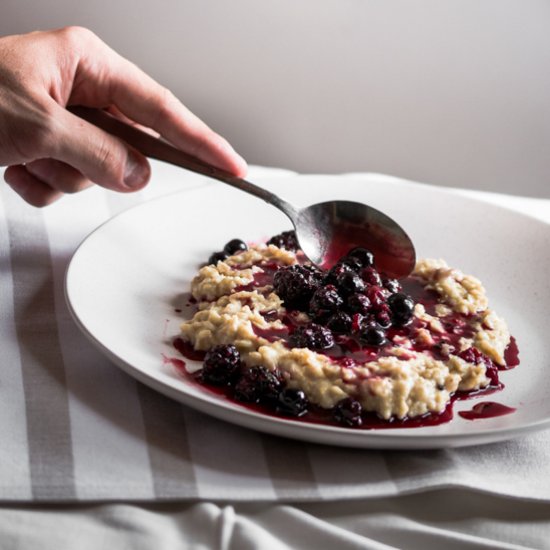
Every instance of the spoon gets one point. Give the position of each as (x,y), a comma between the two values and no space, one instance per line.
(326,231)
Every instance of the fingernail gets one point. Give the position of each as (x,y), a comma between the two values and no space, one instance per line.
(137,170)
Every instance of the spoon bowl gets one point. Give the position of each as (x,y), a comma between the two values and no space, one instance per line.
(326,231)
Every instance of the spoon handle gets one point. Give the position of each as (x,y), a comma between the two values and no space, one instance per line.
(158,149)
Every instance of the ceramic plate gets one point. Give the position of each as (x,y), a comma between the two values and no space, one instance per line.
(127,279)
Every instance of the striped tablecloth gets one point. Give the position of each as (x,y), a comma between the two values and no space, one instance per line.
(74,427)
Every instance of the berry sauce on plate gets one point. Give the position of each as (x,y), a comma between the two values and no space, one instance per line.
(354,315)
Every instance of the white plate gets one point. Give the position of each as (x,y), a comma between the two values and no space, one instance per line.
(127,278)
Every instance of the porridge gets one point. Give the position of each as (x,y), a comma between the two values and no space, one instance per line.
(345,345)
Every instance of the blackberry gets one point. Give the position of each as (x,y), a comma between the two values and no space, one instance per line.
(221,365)
(234,246)
(296,284)
(312,336)
(325,300)
(402,307)
(258,384)
(217,257)
(392,285)
(350,283)
(358,303)
(348,412)
(292,403)
(286,239)
(371,276)
(365,257)
(340,323)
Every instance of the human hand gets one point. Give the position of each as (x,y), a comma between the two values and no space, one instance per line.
(50,151)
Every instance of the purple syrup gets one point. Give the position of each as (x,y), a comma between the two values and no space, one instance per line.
(187,350)
(178,364)
(349,351)
(487,409)
(511,354)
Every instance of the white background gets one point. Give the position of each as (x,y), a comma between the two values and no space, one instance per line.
(452,92)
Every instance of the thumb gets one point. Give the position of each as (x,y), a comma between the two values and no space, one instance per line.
(101,157)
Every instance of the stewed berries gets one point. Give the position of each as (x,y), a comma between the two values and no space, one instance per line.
(296,285)
(365,257)
(373,335)
(349,308)
(234,246)
(402,307)
(292,402)
(258,384)
(286,239)
(358,303)
(337,271)
(312,336)
(217,257)
(350,283)
(221,365)
(340,323)
(348,412)
(325,300)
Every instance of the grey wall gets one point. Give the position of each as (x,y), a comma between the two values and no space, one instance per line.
(454,92)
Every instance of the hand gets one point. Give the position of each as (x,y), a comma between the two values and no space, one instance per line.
(50,151)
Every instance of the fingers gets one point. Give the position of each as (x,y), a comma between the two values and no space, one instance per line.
(29,187)
(97,155)
(106,78)
(58,175)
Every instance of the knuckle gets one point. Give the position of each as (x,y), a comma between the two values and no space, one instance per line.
(108,164)
(75,34)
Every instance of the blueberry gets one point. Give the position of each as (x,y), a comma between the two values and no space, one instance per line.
(217,257)
(354,263)
(350,283)
(286,239)
(373,335)
(296,284)
(392,285)
(221,365)
(402,307)
(235,246)
(312,336)
(365,257)
(325,300)
(340,323)
(348,412)
(358,303)
(371,276)
(292,403)
(337,271)
(258,384)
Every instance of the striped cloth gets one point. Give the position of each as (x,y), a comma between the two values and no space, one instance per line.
(75,428)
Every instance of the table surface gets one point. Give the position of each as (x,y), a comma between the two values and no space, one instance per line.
(456,517)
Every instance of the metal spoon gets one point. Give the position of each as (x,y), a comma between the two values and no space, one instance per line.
(326,231)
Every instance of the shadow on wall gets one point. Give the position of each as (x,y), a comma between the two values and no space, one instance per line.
(454,93)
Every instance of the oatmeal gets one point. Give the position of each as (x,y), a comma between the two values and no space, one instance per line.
(345,340)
